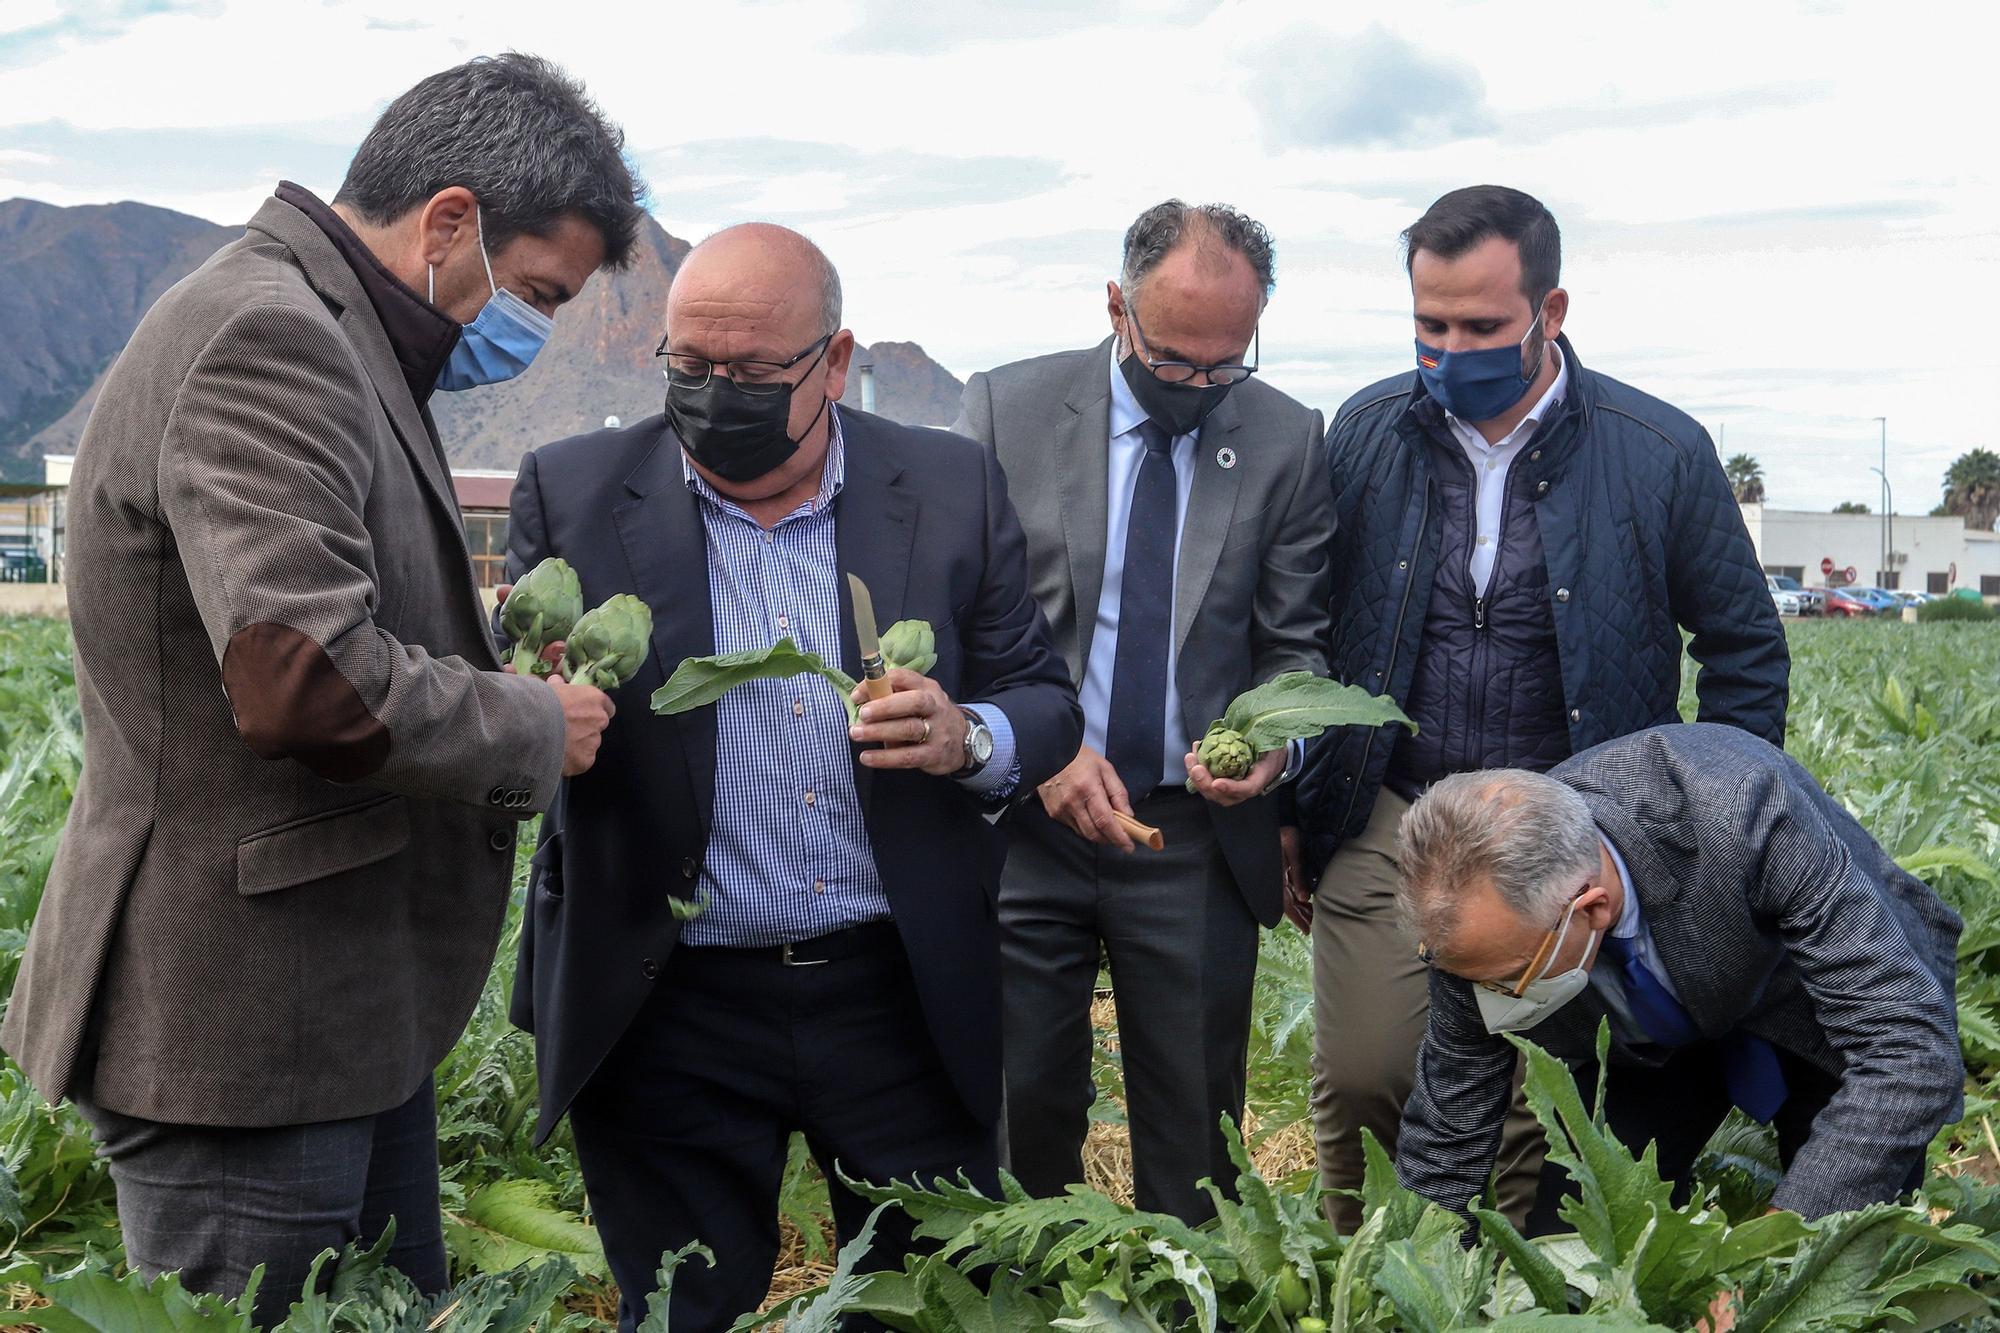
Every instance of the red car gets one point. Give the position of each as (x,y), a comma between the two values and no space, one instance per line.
(1840,602)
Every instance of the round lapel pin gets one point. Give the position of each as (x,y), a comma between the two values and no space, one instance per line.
(1225,457)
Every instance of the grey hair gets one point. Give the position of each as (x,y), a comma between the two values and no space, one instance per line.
(1531,834)
(517,132)
(1157,231)
(829,289)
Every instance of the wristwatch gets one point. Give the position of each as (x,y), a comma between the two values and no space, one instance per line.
(978,745)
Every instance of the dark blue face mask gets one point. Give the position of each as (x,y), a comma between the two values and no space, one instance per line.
(1479,385)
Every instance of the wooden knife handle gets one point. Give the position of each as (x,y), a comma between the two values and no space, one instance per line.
(878,687)
(1144,834)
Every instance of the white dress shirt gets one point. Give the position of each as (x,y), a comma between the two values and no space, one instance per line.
(1490,464)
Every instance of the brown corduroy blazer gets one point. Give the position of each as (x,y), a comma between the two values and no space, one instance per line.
(284,874)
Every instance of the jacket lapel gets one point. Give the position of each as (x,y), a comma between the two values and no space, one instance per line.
(1083,453)
(330,274)
(660,530)
(875,534)
(1211,508)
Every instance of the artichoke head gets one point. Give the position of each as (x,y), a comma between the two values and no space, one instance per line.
(910,644)
(606,646)
(1225,753)
(542,609)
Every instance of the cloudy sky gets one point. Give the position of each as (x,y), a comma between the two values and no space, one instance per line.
(1779,217)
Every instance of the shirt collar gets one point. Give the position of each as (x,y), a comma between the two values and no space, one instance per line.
(833,474)
(1544,408)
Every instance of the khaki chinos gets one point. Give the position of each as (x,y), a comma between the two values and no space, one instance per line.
(1371,997)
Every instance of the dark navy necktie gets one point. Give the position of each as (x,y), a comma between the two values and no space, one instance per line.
(1135,733)
(1749,1064)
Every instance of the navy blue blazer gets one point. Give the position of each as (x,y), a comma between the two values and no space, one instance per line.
(924,519)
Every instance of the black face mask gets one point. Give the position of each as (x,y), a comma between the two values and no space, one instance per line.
(1178,408)
(736,435)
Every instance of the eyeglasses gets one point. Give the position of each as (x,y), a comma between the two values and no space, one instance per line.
(1543,955)
(1180,372)
(753,377)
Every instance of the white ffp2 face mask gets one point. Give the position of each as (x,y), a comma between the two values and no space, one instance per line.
(1541,997)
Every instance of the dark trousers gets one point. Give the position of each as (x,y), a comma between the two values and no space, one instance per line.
(1182,947)
(1679,1105)
(215,1203)
(683,1130)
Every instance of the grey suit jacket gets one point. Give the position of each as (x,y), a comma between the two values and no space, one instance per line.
(1774,913)
(283,877)
(1251,596)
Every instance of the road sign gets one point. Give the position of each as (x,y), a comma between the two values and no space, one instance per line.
(1852,577)
(1826,564)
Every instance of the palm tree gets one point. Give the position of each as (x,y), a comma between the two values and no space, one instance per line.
(1972,489)
(1746,479)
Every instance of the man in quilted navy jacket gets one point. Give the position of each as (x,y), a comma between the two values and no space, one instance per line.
(1519,543)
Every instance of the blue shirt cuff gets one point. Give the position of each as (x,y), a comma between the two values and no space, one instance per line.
(1002,773)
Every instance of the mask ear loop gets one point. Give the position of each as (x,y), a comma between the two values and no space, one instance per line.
(1545,956)
(430,270)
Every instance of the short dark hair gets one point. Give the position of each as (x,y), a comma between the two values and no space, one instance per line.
(1462,219)
(517,132)
(1155,233)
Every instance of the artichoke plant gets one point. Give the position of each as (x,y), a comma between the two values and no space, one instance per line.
(607,645)
(542,609)
(910,644)
(1225,753)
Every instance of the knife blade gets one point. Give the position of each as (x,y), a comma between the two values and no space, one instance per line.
(874,673)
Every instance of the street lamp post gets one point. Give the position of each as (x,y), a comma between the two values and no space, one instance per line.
(1888,498)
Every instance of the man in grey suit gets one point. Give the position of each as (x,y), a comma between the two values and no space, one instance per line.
(1177,534)
(284,874)
(1749,942)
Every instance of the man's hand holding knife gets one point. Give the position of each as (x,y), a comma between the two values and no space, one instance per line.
(906,713)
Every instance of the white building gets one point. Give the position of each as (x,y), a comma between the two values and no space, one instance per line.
(1926,554)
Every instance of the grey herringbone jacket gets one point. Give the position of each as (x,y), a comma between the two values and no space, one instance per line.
(283,877)
(1775,913)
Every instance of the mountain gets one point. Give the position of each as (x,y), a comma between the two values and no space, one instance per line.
(75,281)
(73,284)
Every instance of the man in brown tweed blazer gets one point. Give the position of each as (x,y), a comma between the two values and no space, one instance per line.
(283,878)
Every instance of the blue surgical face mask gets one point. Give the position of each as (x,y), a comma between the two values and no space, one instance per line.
(1479,385)
(500,341)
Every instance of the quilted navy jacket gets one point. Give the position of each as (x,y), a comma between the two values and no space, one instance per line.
(1641,538)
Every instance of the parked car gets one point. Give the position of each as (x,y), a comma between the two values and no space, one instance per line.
(19,565)
(1878,599)
(1786,602)
(1849,603)
(1812,602)
(1911,597)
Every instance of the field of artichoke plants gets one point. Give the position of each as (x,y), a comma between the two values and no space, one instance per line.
(1901,722)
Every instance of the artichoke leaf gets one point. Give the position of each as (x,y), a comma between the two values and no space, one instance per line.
(702,680)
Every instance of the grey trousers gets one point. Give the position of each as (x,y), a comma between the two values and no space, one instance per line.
(214,1203)
(1371,1000)
(1182,947)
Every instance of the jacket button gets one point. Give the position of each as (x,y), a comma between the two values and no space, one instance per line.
(1535,457)
(1562,594)
(500,839)
(497,796)
(1576,715)
(1402,564)
(1378,675)
(649,969)
(1541,488)
(687,867)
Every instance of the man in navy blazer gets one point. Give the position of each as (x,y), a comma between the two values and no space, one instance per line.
(832,967)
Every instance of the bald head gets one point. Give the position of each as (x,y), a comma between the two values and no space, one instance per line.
(754,282)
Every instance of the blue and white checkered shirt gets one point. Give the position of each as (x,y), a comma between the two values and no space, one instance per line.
(788,851)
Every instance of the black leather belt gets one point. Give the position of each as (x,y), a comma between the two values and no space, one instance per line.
(851,942)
